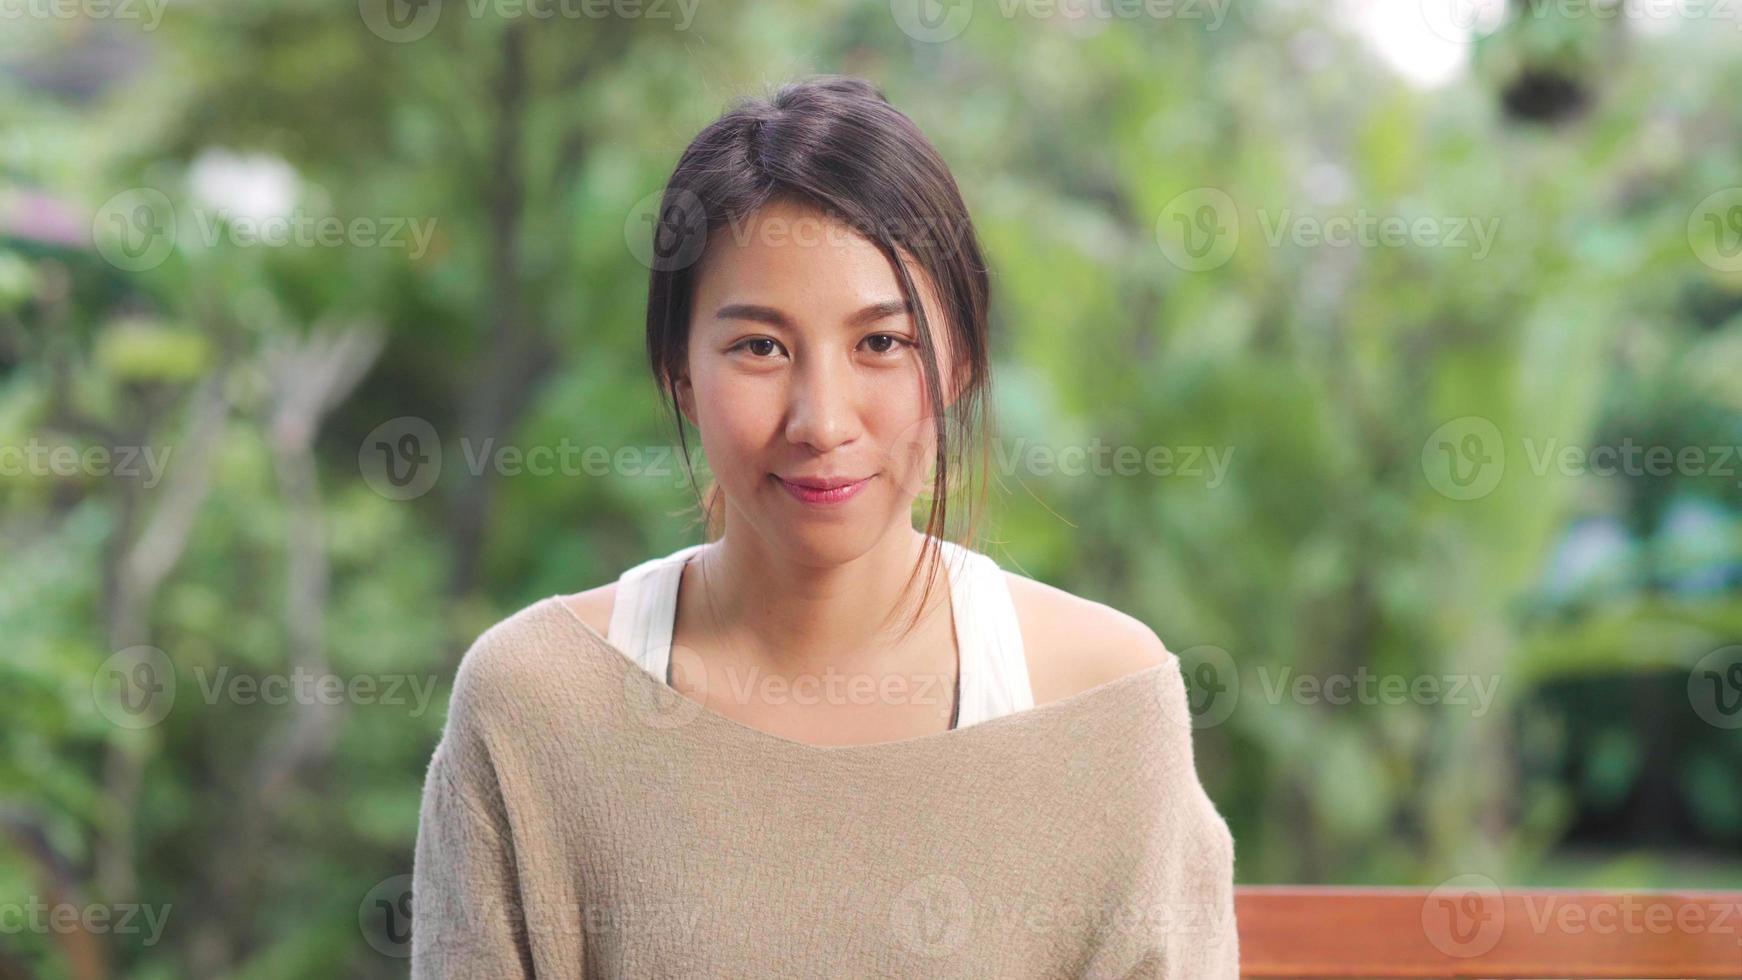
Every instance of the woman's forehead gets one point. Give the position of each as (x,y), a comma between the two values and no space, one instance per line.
(787,255)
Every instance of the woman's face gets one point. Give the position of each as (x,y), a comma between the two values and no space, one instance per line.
(803,367)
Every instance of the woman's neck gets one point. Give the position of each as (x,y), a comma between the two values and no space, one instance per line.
(798,617)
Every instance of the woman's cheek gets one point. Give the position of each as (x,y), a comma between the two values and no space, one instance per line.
(738,429)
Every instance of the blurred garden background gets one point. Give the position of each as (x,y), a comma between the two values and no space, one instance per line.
(1433,308)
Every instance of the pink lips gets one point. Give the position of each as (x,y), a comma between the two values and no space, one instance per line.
(824,498)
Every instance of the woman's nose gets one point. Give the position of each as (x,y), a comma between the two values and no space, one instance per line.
(823,408)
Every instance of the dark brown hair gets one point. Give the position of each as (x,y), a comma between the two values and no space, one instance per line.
(835,145)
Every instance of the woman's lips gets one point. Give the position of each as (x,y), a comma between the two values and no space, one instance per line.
(824,498)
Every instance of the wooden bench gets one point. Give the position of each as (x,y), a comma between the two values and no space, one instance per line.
(1471,928)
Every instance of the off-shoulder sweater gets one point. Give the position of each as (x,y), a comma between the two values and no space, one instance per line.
(580,818)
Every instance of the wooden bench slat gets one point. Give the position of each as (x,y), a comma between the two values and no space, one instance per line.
(1476,930)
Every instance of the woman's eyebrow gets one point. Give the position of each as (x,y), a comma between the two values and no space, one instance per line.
(773,317)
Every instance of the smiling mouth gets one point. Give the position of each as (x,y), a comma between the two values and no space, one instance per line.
(824,492)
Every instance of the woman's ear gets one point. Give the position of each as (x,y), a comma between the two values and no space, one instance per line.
(686,399)
(957,380)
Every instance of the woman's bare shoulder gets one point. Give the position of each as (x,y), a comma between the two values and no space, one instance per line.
(594,606)
(1073,644)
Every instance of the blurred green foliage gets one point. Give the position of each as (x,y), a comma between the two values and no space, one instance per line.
(1325,373)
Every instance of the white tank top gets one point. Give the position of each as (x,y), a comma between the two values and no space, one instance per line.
(992,676)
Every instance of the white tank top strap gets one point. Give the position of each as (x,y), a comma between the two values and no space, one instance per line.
(993,676)
(644,610)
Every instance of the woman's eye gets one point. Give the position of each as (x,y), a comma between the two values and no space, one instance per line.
(760,346)
(893,342)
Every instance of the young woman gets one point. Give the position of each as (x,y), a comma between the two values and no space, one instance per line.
(785,751)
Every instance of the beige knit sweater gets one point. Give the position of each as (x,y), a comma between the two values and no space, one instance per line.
(582,819)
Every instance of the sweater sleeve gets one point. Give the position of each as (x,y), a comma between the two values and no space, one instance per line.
(465,907)
(467,911)
(1202,938)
